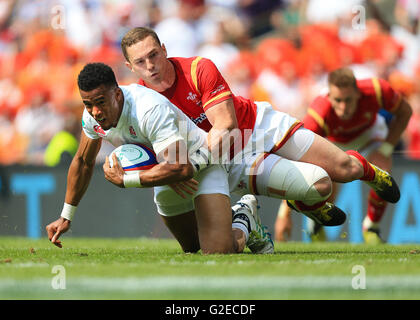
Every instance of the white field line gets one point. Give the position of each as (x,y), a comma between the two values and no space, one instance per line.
(205,284)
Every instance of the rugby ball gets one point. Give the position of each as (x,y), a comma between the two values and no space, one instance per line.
(134,157)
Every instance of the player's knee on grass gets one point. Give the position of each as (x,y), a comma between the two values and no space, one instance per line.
(217,244)
(293,180)
(218,250)
(188,245)
(193,248)
(216,241)
(214,223)
(184,228)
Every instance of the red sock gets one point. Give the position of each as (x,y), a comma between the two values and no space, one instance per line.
(376,207)
(368,172)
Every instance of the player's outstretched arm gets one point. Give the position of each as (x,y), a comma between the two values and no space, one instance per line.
(81,169)
(397,126)
(78,178)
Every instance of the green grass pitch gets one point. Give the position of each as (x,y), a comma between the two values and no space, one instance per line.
(149,269)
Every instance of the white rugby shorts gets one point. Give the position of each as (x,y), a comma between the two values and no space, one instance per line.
(273,134)
(212,179)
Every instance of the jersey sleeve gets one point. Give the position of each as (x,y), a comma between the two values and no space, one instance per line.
(161,127)
(209,82)
(390,99)
(314,119)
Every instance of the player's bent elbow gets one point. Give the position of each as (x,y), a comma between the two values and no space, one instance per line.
(232,125)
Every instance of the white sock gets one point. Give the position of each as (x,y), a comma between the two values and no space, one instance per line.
(242,227)
(367,224)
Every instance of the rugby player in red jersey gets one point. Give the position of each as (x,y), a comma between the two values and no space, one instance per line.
(196,87)
(349,117)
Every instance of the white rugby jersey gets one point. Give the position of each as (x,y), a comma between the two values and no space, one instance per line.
(148,118)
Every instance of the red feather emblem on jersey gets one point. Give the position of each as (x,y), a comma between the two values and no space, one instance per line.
(132,132)
(98,129)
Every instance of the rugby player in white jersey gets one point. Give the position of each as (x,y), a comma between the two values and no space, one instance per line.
(135,114)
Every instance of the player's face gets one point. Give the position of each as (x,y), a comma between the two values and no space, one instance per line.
(344,101)
(147,59)
(104,104)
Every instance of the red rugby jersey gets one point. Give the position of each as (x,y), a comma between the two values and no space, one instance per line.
(199,86)
(375,94)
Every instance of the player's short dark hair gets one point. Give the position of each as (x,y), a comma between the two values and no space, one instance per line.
(94,75)
(135,35)
(342,78)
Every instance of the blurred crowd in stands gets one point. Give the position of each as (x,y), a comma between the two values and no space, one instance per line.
(273,50)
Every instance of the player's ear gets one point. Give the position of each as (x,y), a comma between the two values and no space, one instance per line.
(164,50)
(118,93)
(128,65)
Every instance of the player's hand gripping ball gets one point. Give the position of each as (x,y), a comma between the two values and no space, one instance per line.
(134,157)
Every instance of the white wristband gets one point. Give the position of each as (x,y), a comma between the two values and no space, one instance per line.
(132,180)
(386,149)
(68,211)
(200,159)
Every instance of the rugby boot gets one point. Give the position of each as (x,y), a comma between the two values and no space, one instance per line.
(372,236)
(245,211)
(327,215)
(384,185)
(371,232)
(316,232)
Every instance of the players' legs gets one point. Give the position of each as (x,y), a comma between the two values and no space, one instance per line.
(306,146)
(283,224)
(184,228)
(342,166)
(208,228)
(214,214)
(305,186)
(219,234)
(204,221)
(376,205)
(315,229)
(179,216)
(278,177)
(214,221)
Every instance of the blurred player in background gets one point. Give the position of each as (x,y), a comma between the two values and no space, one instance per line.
(196,87)
(349,117)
